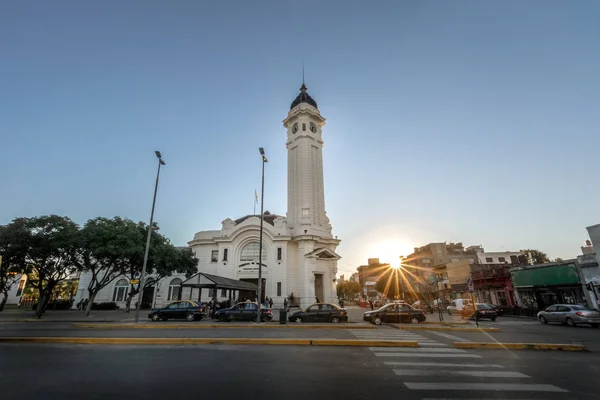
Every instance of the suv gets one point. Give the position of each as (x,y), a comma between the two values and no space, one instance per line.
(243,312)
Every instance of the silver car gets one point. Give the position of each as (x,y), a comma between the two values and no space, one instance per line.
(570,314)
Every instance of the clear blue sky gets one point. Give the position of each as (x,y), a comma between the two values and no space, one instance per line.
(446,121)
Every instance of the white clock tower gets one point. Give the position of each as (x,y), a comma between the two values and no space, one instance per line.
(316,260)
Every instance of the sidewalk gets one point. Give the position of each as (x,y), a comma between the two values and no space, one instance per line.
(20,315)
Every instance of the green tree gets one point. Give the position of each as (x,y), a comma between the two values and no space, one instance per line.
(47,250)
(557,259)
(11,262)
(348,289)
(103,246)
(539,257)
(164,260)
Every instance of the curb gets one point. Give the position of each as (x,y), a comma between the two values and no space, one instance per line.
(199,341)
(443,328)
(519,346)
(217,326)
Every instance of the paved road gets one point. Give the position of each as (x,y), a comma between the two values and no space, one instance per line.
(290,372)
(532,331)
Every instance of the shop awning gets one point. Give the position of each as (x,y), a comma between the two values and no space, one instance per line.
(208,281)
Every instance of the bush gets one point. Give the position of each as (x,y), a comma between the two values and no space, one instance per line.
(105,306)
(55,305)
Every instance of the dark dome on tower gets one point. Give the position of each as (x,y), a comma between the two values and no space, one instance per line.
(303,97)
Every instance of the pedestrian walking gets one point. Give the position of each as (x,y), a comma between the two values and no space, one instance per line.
(79,304)
(317,299)
(285,304)
(371,304)
(270,303)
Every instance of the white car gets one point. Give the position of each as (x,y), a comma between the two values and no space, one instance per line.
(458,305)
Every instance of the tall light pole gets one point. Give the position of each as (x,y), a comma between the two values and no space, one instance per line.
(143,277)
(260,243)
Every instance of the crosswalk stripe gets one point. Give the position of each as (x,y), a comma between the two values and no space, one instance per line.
(426,355)
(448,336)
(439,364)
(515,387)
(478,374)
(418,350)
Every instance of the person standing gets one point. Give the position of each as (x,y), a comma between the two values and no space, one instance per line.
(371,304)
(271,303)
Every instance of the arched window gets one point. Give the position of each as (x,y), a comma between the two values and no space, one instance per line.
(174,289)
(121,289)
(250,253)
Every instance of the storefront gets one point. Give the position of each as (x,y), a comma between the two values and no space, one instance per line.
(540,286)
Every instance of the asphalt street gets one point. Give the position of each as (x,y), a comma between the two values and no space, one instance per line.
(290,372)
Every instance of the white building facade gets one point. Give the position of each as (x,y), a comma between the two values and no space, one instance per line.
(299,258)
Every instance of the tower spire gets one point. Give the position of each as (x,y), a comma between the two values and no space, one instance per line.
(302,73)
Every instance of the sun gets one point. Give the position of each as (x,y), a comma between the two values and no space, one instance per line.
(389,251)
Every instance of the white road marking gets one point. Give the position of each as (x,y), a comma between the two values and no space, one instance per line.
(438,364)
(515,387)
(426,355)
(418,350)
(479,374)
(448,336)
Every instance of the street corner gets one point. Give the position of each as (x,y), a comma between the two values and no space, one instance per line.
(520,346)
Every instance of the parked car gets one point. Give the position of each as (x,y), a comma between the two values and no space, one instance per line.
(570,314)
(243,312)
(423,305)
(496,308)
(395,313)
(188,309)
(457,305)
(483,311)
(320,312)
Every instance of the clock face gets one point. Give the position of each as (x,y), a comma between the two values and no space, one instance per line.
(295,128)
(313,128)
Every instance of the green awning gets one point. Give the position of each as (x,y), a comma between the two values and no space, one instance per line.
(545,276)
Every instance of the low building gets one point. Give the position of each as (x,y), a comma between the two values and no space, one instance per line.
(539,286)
(493,284)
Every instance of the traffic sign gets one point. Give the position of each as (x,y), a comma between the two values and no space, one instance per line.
(134,281)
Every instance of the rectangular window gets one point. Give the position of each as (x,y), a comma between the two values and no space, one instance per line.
(225,255)
(223,292)
(501,259)
(489,259)
(214,256)
(278,288)
(279,254)
(303,126)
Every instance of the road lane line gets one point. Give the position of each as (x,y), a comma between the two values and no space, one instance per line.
(439,364)
(449,336)
(420,350)
(478,374)
(426,355)
(514,387)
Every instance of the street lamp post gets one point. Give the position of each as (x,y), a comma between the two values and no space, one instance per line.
(143,277)
(260,243)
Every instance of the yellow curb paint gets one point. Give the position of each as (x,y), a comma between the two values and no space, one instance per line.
(217,326)
(199,341)
(519,346)
(444,323)
(450,329)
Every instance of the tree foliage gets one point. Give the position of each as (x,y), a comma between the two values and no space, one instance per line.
(46,249)
(12,262)
(164,259)
(348,289)
(103,242)
(538,256)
